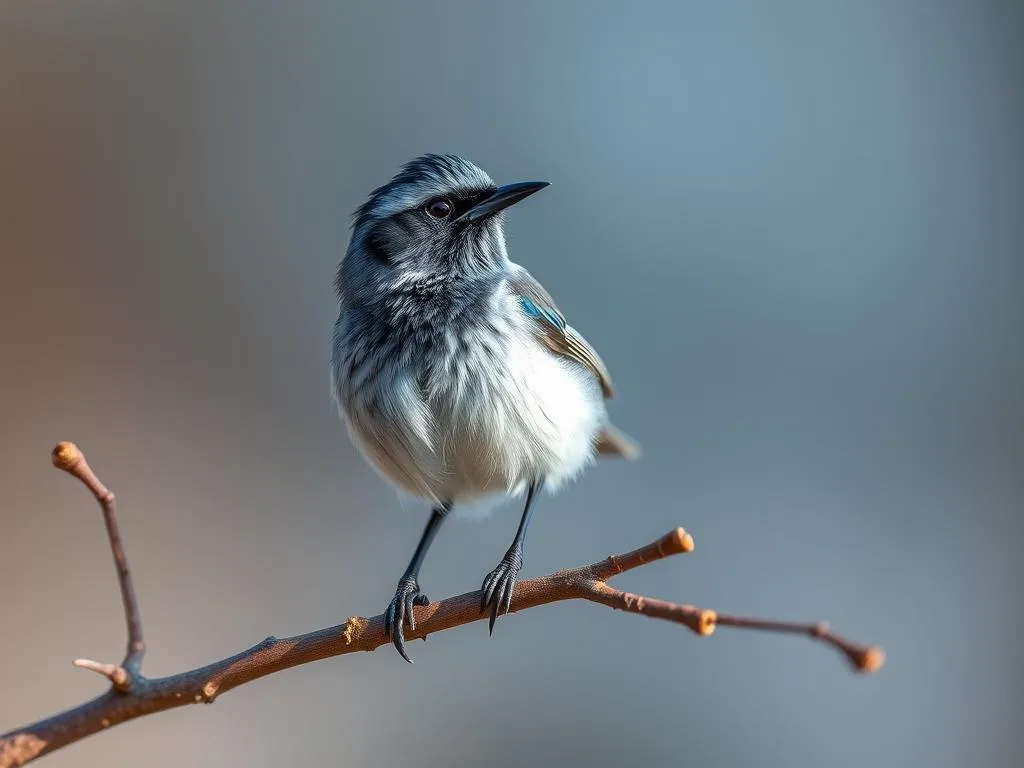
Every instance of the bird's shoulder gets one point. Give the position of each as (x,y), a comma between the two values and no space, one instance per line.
(552,328)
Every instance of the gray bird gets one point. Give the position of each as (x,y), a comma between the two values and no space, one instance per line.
(457,376)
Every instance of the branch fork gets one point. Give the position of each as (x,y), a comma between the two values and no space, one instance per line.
(67,457)
(132,695)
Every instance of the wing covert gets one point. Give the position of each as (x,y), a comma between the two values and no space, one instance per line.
(554,331)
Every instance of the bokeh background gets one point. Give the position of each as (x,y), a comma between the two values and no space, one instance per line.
(793,229)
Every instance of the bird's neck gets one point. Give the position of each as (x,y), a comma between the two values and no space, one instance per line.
(437,300)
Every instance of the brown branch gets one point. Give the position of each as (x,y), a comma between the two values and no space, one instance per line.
(67,457)
(131,695)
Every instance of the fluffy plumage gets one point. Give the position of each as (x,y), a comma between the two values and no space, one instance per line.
(457,375)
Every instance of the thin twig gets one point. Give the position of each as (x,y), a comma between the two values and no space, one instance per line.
(115,673)
(863,658)
(67,457)
(137,696)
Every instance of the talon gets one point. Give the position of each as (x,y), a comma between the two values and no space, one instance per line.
(488,590)
(506,601)
(399,611)
(494,618)
(498,587)
(410,616)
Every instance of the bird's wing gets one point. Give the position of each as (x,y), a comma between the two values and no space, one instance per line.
(554,331)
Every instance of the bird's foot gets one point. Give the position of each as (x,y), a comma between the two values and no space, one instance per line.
(498,585)
(407,594)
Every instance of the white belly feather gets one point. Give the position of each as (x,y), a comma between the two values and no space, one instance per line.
(496,411)
(533,418)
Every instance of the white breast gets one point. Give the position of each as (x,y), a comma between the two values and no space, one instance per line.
(488,410)
(511,411)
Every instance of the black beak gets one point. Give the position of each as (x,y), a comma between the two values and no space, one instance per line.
(502,198)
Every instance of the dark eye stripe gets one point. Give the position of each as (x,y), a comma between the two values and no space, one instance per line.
(467,200)
(376,244)
(459,203)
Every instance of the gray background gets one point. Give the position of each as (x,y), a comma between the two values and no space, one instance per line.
(794,232)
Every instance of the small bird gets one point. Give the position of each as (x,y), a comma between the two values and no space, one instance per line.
(456,374)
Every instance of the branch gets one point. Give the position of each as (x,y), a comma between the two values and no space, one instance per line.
(67,457)
(132,695)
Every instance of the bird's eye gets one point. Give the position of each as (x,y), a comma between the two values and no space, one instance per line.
(439,207)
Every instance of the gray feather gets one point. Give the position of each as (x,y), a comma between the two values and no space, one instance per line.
(449,387)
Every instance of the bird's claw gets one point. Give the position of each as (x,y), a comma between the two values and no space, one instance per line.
(400,611)
(498,586)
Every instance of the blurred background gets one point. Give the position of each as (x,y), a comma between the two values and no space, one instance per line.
(793,230)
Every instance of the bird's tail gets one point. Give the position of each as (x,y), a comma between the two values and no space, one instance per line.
(612,442)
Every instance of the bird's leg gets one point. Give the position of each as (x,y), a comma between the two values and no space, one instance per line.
(500,582)
(408,594)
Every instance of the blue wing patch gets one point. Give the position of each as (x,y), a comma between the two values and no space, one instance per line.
(552,329)
(546,314)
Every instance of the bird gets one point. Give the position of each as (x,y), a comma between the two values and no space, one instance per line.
(456,375)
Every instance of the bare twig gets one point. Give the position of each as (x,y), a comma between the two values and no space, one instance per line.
(863,658)
(66,456)
(132,695)
(115,673)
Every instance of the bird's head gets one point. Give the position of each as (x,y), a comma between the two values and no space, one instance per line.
(439,216)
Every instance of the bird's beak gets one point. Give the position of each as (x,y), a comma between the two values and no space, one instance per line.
(502,198)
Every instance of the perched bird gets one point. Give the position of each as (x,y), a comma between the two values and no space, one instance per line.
(457,376)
